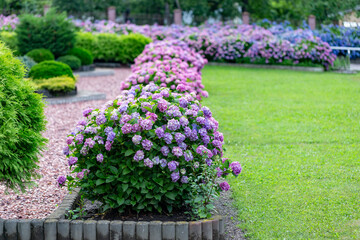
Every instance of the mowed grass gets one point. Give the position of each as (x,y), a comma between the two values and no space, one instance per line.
(297,136)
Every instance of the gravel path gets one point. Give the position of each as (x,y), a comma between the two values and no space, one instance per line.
(41,200)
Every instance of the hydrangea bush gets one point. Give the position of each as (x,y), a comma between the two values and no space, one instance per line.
(149,149)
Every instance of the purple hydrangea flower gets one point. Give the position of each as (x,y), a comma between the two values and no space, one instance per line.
(219,136)
(123,107)
(183,171)
(125,118)
(66,150)
(159,132)
(148,163)
(184,179)
(208,161)
(108,146)
(136,128)
(82,122)
(165,93)
(100,158)
(127,128)
(111,136)
(79,138)
(136,139)
(139,155)
(146,124)
(206,139)
(236,168)
(224,186)
(187,131)
(182,145)
(202,132)
(193,136)
(173,125)
(156,160)
(61,180)
(188,156)
(200,120)
(100,119)
(147,144)
(183,102)
(175,176)
(107,130)
(184,121)
(153,116)
(162,105)
(177,151)
(179,137)
(84,150)
(87,112)
(173,165)
(135,115)
(163,163)
(72,160)
(168,138)
(165,150)
(89,142)
(80,175)
(69,140)
(206,111)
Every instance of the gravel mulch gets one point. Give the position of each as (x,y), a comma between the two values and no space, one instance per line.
(41,200)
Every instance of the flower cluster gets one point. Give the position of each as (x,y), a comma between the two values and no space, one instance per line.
(159,136)
(169,67)
(8,23)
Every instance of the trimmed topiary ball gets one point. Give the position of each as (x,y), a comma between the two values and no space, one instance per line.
(39,55)
(22,121)
(50,69)
(28,63)
(84,55)
(73,62)
(148,150)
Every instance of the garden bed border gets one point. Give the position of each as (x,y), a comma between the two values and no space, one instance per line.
(247,65)
(56,227)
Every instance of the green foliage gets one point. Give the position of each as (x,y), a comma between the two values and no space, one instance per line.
(24,6)
(79,212)
(50,69)
(109,47)
(86,40)
(342,63)
(132,46)
(84,55)
(299,146)
(22,121)
(10,40)
(73,61)
(56,84)
(28,64)
(53,31)
(39,55)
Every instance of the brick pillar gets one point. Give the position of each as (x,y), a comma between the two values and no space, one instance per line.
(46,9)
(312,22)
(246,18)
(111,12)
(177,17)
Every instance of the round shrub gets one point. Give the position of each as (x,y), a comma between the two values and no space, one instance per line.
(39,55)
(50,69)
(22,121)
(84,55)
(56,84)
(150,149)
(28,63)
(73,62)
(132,46)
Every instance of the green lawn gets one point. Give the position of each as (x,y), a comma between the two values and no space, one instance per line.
(297,136)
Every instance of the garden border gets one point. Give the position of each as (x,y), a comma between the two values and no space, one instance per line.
(55,226)
(81,96)
(285,67)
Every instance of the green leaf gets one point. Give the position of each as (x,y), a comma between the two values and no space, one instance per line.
(126,171)
(114,170)
(120,201)
(171,195)
(99,181)
(125,187)
(129,152)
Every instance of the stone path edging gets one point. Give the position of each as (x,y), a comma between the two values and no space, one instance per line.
(81,96)
(296,68)
(96,73)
